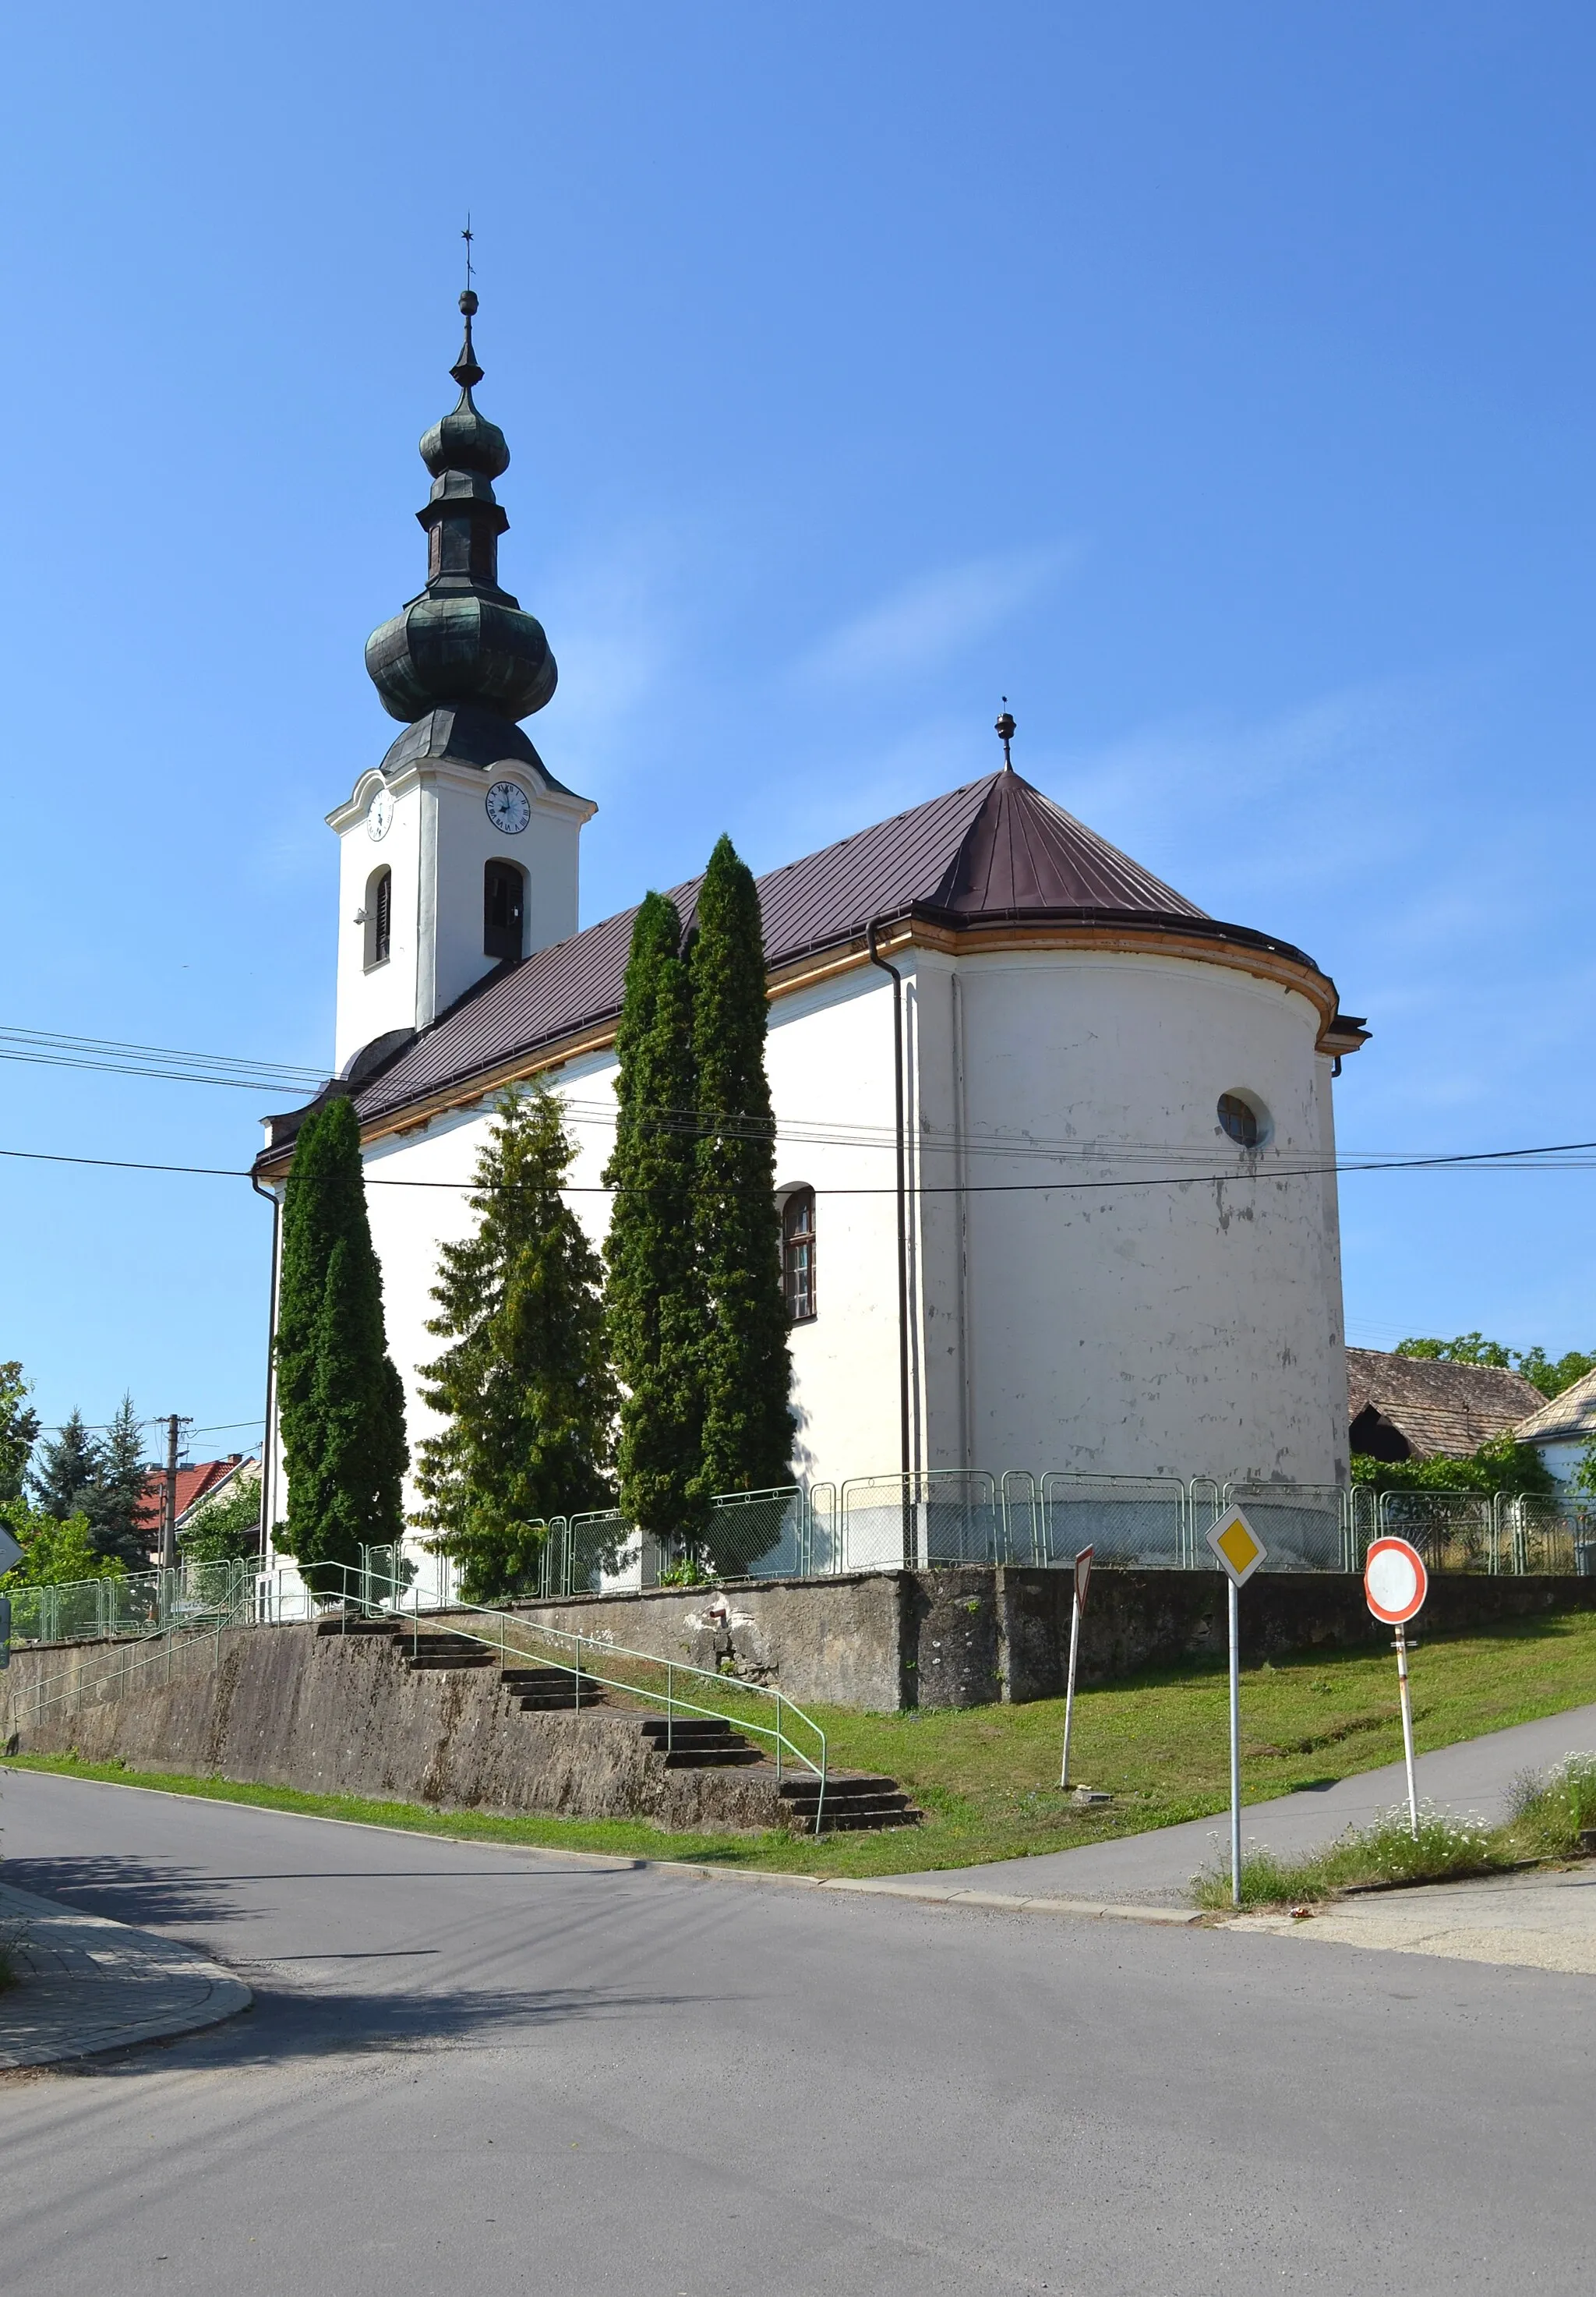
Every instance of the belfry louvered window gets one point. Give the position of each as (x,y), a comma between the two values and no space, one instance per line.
(504,904)
(379,916)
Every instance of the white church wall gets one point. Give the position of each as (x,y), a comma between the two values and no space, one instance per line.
(1189,1328)
(373,999)
(544,851)
(437,844)
(829,1061)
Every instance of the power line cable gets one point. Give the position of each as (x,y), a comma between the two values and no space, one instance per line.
(1478,1159)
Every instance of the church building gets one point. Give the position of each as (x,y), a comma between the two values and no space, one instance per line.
(1055,1147)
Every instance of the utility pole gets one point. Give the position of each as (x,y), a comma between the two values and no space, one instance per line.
(169,1512)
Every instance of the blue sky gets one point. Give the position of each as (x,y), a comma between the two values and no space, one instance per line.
(1216,383)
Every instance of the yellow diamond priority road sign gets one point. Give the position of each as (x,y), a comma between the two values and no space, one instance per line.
(1237,1546)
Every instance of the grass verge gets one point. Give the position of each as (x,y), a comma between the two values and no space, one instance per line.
(1548,1812)
(987,1777)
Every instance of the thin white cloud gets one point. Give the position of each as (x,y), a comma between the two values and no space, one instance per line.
(938,614)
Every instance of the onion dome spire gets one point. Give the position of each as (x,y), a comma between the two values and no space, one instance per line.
(462,641)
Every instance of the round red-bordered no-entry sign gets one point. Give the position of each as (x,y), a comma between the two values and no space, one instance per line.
(1395,1582)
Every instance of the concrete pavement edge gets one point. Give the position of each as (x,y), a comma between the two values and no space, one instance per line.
(86,1984)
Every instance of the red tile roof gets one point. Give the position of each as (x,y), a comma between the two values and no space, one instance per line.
(195,1482)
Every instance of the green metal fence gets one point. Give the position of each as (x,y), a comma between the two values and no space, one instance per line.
(870,1523)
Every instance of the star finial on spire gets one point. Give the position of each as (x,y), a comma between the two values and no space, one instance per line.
(1004,729)
(465,370)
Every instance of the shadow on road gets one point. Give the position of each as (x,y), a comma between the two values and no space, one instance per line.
(286,2027)
(129,1890)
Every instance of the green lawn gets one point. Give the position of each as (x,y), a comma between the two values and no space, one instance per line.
(987,1777)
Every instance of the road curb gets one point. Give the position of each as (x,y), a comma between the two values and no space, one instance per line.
(625,1861)
(86,1984)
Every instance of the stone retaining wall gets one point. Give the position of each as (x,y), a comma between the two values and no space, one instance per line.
(963,1637)
(331,1714)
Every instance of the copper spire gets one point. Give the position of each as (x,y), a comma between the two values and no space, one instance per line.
(1004,729)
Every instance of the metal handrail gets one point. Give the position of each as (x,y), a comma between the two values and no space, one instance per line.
(356,1584)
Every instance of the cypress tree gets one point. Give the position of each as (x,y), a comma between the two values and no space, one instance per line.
(68,1464)
(525,1389)
(747,1443)
(341,1403)
(113,1501)
(19,1432)
(652,1299)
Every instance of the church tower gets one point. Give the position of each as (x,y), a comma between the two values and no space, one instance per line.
(459,851)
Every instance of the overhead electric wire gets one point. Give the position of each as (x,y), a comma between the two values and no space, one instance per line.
(242,1072)
(1461,1160)
(47,1049)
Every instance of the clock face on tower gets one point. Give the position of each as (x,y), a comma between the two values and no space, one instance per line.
(379,815)
(509,807)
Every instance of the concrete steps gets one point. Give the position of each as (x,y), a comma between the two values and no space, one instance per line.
(855,1801)
(702,1743)
(549,1689)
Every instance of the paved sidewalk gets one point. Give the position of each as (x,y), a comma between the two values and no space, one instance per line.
(1530,1922)
(1155,1868)
(85,1984)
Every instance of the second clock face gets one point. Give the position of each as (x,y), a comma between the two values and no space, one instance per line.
(378,814)
(509,807)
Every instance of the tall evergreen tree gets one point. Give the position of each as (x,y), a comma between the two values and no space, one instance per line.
(113,1500)
(19,1432)
(66,1466)
(747,1443)
(341,1403)
(653,1303)
(525,1389)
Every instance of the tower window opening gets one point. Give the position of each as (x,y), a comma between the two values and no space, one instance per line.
(504,906)
(1246,1123)
(379,916)
(798,1255)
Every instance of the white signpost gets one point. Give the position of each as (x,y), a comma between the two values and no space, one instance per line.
(1082,1581)
(1396,1584)
(1238,1550)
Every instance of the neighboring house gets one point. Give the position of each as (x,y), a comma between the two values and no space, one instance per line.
(199,1483)
(1115,1249)
(1560,1431)
(1418,1408)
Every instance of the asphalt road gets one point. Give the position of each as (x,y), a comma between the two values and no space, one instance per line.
(470,2070)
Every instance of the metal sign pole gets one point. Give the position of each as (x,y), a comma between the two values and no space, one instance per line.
(1395,1582)
(1235,1744)
(1069,1694)
(1407,1727)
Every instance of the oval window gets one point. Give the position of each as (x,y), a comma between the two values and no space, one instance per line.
(1245,1124)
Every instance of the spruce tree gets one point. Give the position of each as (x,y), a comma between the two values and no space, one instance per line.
(746,1444)
(652,1299)
(525,1389)
(341,1403)
(113,1500)
(68,1464)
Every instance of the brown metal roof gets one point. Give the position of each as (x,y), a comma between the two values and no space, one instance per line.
(1446,1409)
(995,849)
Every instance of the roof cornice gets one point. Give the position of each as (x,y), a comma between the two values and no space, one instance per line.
(1184,939)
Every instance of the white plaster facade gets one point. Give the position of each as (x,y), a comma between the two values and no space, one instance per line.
(428,824)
